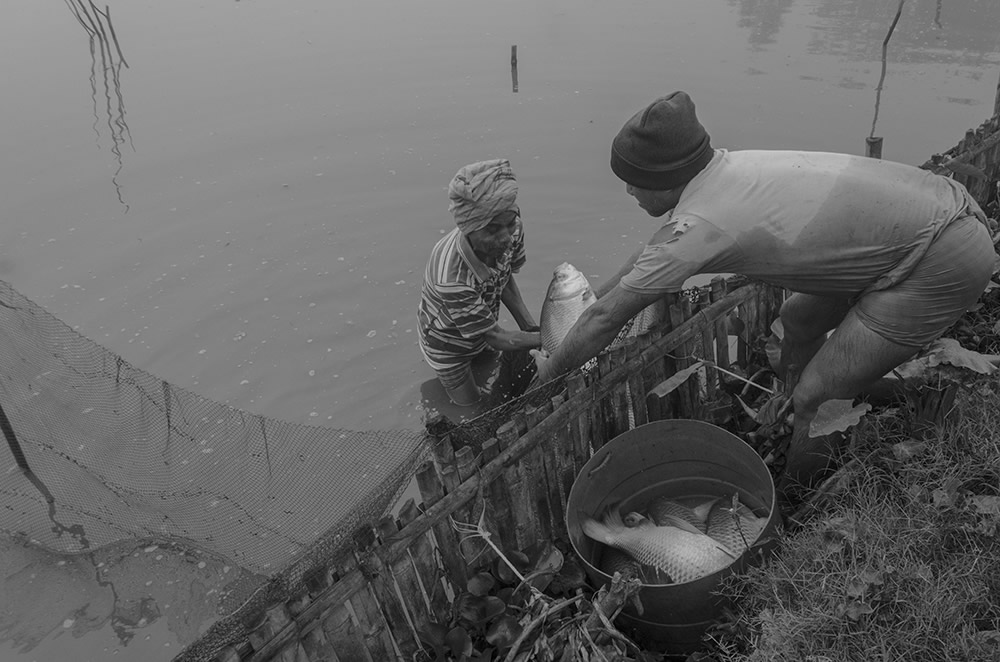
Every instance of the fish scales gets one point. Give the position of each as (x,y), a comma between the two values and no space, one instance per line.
(615,560)
(685,555)
(661,509)
(735,527)
(568,295)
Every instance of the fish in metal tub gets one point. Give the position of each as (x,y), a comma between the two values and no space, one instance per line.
(569,294)
(726,520)
(678,549)
(734,525)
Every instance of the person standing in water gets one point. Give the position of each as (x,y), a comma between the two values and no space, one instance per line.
(469,274)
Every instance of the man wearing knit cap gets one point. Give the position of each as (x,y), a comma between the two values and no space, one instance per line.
(469,273)
(886,256)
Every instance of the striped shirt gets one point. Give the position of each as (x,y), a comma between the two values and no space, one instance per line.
(460,299)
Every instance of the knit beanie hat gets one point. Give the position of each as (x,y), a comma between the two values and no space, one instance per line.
(662,146)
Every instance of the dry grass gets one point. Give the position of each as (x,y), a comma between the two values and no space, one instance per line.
(905,565)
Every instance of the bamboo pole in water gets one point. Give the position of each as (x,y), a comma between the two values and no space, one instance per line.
(513,66)
(873,147)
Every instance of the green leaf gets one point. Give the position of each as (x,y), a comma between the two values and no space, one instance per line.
(949,351)
(945,359)
(671,384)
(459,642)
(546,561)
(503,632)
(433,634)
(476,609)
(907,450)
(836,416)
(856,610)
(986,505)
(486,655)
(569,578)
(856,588)
(546,557)
(480,584)
(520,561)
(494,607)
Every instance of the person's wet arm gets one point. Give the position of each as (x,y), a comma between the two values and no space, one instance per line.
(610,283)
(594,331)
(511,298)
(510,339)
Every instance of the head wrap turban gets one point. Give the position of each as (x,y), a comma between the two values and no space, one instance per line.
(480,191)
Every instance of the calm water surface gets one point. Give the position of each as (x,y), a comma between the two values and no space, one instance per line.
(246,210)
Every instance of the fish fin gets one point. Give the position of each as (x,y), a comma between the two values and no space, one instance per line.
(729,552)
(595,530)
(677,522)
(612,516)
(702,511)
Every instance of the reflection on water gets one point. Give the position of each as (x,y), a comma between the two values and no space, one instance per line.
(291,183)
(157,597)
(763,18)
(110,109)
(881,78)
(959,32)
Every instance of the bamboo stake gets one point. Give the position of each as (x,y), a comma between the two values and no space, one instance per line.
(324,607)
(513,66)
(881,80)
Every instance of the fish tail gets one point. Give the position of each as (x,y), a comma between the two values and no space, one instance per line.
(605,530)
(596,530)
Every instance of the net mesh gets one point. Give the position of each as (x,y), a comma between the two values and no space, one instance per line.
(98,452)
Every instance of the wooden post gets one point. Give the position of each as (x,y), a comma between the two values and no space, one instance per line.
(421,553)
(583,425)
(432,488)
(539,463)
(513,66)
(521,509)
(497,496)
(873,147)
(996,101)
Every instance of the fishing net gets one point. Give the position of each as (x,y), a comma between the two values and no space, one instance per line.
(97,452)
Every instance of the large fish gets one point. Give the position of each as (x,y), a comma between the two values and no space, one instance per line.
(569,294)
(615,560)
(662,508)
(679,549)
(734,525)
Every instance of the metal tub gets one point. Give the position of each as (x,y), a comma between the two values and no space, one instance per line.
(680,459)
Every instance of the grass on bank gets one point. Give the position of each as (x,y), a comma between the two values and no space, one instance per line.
(903,565)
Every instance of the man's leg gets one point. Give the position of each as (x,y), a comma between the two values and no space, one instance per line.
(459,384)
(806,319)
(853,357)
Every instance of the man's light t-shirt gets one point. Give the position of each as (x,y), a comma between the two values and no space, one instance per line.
(813,222)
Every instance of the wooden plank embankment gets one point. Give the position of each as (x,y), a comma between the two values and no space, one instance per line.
(452,490)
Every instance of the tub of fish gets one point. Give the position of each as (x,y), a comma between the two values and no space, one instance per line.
(679,504)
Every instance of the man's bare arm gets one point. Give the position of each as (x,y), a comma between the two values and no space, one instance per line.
(509,339)
(511,298)
(594,331)
(610,283)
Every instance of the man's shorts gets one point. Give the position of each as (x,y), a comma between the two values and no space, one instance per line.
(944,284)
